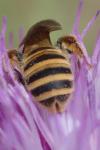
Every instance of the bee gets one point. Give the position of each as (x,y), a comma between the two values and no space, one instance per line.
(46,69)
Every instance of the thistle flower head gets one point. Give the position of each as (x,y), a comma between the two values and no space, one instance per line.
(24,125)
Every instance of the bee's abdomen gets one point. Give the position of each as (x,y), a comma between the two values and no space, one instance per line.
(48,75)
(43,58)
(60,84)
(48,72)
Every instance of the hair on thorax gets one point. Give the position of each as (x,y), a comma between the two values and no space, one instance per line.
(70,39)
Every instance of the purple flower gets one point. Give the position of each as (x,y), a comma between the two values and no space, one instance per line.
(26,126)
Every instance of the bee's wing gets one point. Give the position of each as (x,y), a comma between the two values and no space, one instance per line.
(40,31)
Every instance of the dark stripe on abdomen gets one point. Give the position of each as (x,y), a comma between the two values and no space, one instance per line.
(47,72)
(50,86)
(39,49)
(42,58)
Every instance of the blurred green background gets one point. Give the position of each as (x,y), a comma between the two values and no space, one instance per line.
(27,12)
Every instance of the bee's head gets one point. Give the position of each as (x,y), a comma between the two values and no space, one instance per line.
(67,43)
(70,45)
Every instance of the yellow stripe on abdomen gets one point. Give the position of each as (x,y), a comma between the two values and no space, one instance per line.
(50,78)
(43,64)
(54,92)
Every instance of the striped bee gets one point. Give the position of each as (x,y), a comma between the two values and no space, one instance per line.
(46,69)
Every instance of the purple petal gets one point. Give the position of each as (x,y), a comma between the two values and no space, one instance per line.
(14,128)
(77,18)
(96,52)
(90,23)
(4,25)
